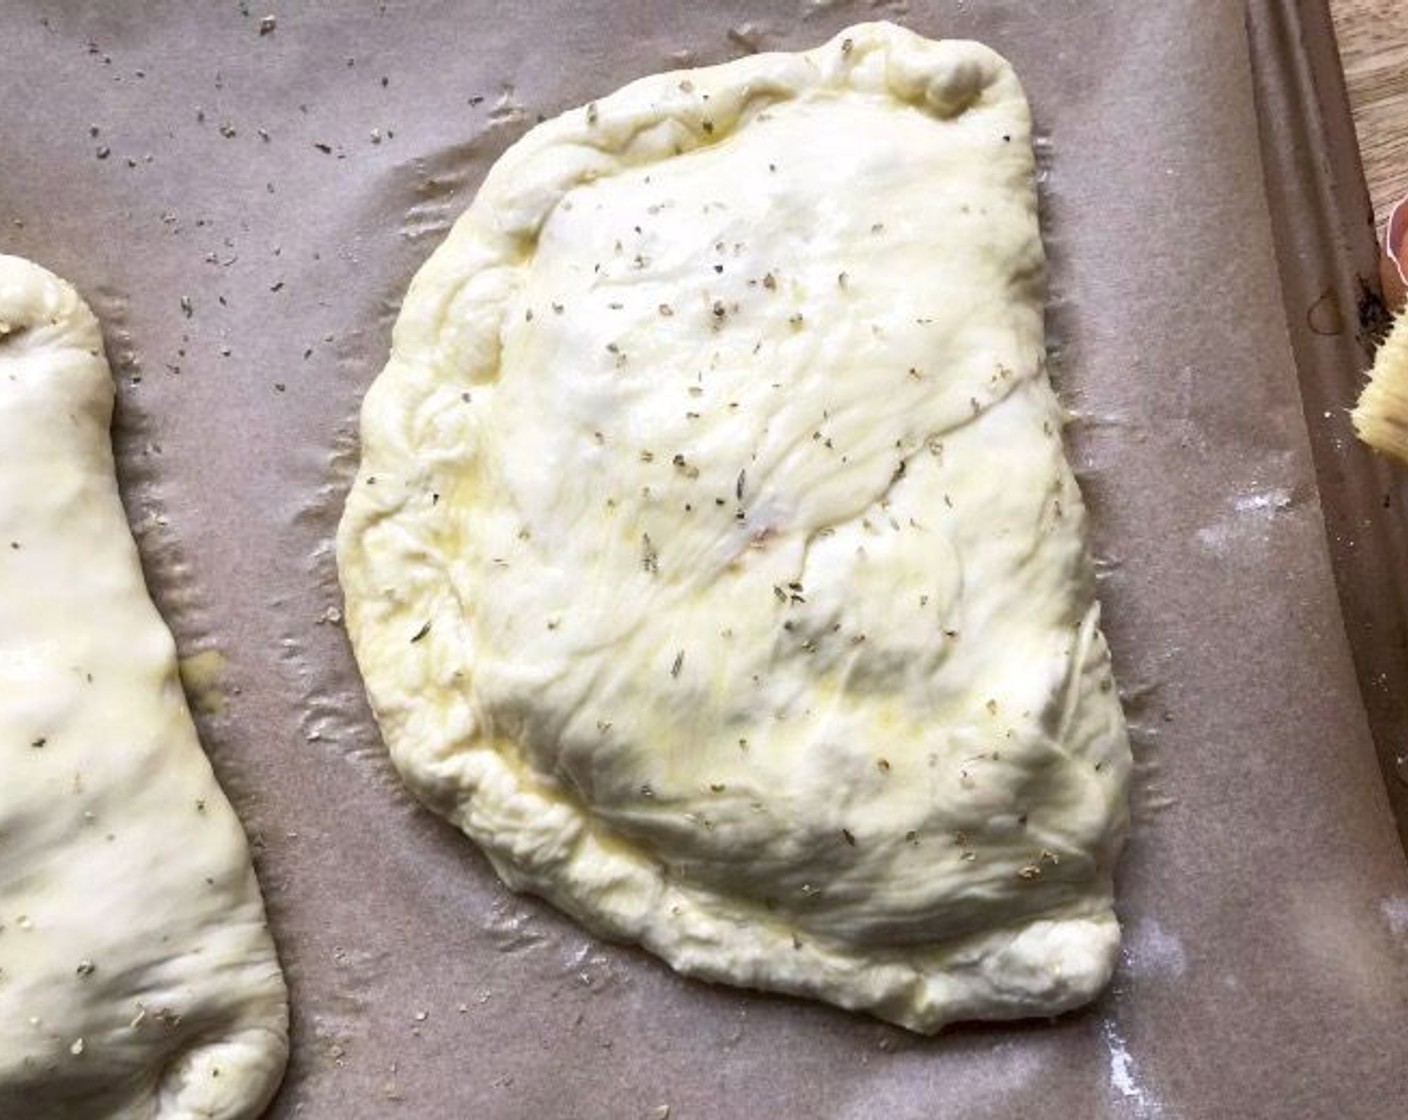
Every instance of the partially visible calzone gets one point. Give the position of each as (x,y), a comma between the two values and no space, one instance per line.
(138,978)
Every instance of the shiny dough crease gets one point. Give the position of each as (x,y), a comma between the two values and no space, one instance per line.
(714,561)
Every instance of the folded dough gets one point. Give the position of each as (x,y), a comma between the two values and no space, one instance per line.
(137,975)
(714,561)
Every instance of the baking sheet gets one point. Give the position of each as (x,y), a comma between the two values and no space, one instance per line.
(1328,251)
(243,211)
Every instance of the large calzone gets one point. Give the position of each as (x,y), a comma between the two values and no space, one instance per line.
(714,561)
(138,979)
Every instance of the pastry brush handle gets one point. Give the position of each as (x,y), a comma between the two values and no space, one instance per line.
(1393,268)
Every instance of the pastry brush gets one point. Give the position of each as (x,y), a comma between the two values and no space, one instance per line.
(1381,416)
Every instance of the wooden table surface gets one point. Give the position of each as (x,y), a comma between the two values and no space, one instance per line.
(1373,40)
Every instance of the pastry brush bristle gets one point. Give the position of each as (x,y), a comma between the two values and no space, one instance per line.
(1381,416)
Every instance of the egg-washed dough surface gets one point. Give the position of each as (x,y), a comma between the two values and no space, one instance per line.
(138,979)
(714,561)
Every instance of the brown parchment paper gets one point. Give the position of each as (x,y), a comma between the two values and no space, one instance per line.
(243,210)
